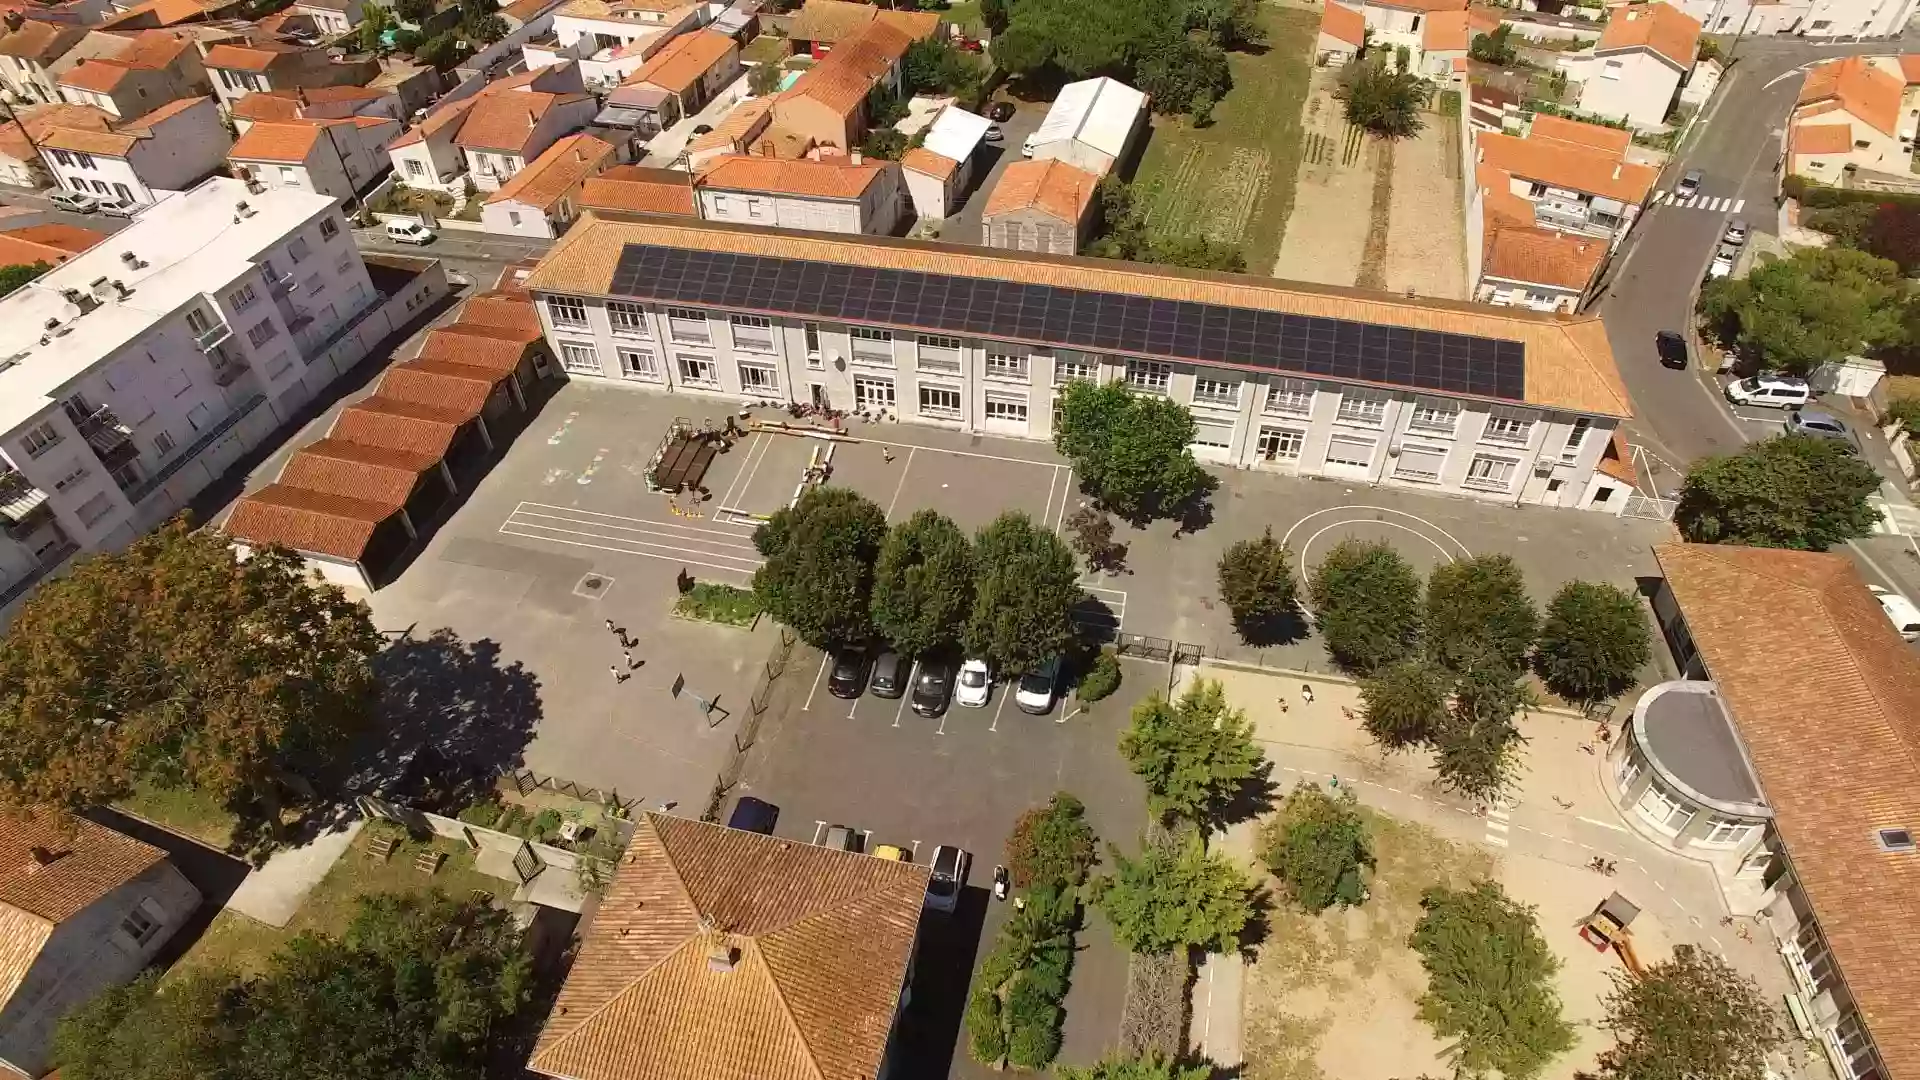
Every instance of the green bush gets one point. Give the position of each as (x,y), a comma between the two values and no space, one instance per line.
(1102,677)
(986,1039)
(545,824)
(1034,1045)
(1907,411)
(713,602)
(484,814)
(511,819)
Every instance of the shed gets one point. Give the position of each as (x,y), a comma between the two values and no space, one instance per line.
(1093,125)
(939,169)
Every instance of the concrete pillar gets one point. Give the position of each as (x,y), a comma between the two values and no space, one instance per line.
(486,437)
(513,390)
(446,477)
(406,522)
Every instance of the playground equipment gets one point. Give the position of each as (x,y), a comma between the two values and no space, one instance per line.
(1608,928)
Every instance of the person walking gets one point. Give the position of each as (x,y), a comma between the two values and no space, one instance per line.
(611,629)
(1306,693)
(627,655)
(618,675)
(886,454)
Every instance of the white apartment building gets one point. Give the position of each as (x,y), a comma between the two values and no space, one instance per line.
(1804,18)
(135,373)
(1364,387)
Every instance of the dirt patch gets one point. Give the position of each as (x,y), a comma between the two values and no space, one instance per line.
(1427,230)
(1374,255)
(1335,190)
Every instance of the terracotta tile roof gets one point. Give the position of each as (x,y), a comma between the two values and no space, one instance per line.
(819,944)
(53,244)
(505,121)
(43,120)
(97,75)
(490,348)
(370,474)
(146,122)
(922,160)
(639,190)
(89,862)
(836,179)
(267,105)
(1562,165)
(843,80)
(1543,257)
(556,173)
(522,11)
(828,21)
(681,63)
(104,143)
(1871,94)
(378,421)
(156,49)
(613,9)
(503,311)
(40,41)
(1053,186)
(1662,29)
(1420,5)
(1617,461)
(255,57)
(309,521)
(1826,698)
(1569,363)
(1822,138)
(439,118)
(442,384)
(1502,206)
(168,12)
(1593,136)
(915,24)
(1343,23)
(282,141)
(738,129)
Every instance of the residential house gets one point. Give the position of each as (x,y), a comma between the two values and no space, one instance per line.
(502,132)
(20,162)
(1815,19)
(428,154)
(1356,385)
(239,70)
(742,130)
(336,158)
(642,112)
(828,105)
(1391,24)
(1635,70)
(938,171)
(164,14)
(636,190)
(1538,268)
(52,243)
(823,24)
(319,103)
(1343,33)
(83,909)
(1092,125)
(611,39)
(331,17)
(1447,37)
(27,54)
(1575,175)
(543,199)
(843,195)
(690,69)
(1040,205)
(721,952)
(139,162)
(156,67)
(1848,118)
(417,86)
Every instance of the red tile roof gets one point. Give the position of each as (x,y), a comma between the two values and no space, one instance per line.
(420,429)
(1050,185)
(1549,161)
(440,384)
(922,160)
(556,173)
(1343,23)
(850,72)
(304,520)
(287,142)
(1822,138)
(1662,29)
(639,190)
(1860,87)
(1543,257)
(837,179)
(681,63)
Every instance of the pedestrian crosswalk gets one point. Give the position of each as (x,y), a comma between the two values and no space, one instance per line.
(1718,204)
(1497,824)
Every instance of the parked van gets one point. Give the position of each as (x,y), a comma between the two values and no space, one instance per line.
(409,232)
(1773,391)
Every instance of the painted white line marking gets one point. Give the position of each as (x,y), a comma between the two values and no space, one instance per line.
(816,684)
(624,551)
(1604,824)
(747,485)
(1358,507)
(1497,841)
(531,519)
(902,710)
(1497,826)
(818,827)
(1658,885)
(966,453)
(1046,508)
(723,534)
(906,468)
(1739,205)
(948,711)
(1005,693)
(852,708)
(726,498)
(1065,498)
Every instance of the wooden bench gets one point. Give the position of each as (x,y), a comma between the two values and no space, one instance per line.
(382,847)
(685,462)
(428,862)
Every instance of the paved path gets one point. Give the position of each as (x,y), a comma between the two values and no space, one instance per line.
(274,892)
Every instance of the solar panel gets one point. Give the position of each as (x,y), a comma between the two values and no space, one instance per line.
(1077,318)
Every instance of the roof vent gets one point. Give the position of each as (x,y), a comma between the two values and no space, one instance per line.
(38,857)
(721,956)
(134,262)
(50,325)
(1895,839)
(83,300)
(120,287)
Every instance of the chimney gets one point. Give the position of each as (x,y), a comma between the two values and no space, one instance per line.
(721,956)
(856,157)
(38,857)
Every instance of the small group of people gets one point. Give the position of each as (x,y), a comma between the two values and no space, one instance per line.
(623,673)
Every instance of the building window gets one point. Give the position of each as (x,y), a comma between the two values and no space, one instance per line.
(638,364)
(329,228)
(935,353)
(686,324)
(1430,414)
(1727,833)
(759,378)
(872,346)
(1149,377)
(813,344)
(567,311)
(94,509)
(1575,436)
(1367,407)
(414,168)
(1663,811)
(262,332)
(698,370)
(628,320)
(1507,427)
(1292,397)
(1280,444)
(753,333)
(139,927)
(873,393)
(163,444)
(81,473)
(1420,463)
(1006,365)
(298,249)
(1856,1049)
(1350,451)
(1004,407)
(1221,392)
(1213,434)
(1536,190)
(580,356)
(1490,473)
(240,298)
(1066,371)
(942,402)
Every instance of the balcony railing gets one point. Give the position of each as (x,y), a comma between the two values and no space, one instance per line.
(210,338)
(111,440)
(207,438)
(22,505)
(280,285)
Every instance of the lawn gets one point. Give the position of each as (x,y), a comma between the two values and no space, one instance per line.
(1233,179)
(766,49)
(185,811)
(713,602)
(237,943)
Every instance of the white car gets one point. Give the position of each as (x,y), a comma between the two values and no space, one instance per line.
(1773,391)
(1723,261)
(74,202)
(1901,612)
(974,686)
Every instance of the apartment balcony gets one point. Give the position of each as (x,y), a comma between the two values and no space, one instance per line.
(226,367)
(209,339)
(280,284)
(111,440)
(301,319)
(1566,217)
(23,507)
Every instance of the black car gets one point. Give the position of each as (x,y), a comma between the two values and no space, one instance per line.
(753,815)
(889,674)
(849,676)
(1672,348)
(702,129)
(1001,111)
(932,686)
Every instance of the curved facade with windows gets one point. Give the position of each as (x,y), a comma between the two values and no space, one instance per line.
(1681,777)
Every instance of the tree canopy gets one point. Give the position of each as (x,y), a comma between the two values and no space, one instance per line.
(1197,754)
(818,577)
(1821,304)
(1026,584)
(1477,745)
(1366,602)
(764,79)
(923,583)
(13,277)
(1318,845)
(1489,982)
(1131,451)
(1494,47)
(1176,895)
(1256,581)
(1051,844)
(1690,1017)
(1789,491)
(1014,1014)
(1405,704)
(1593,642)
(1479,604)
(1154,1066)
(174,663)
(1384,99)
(1172,49)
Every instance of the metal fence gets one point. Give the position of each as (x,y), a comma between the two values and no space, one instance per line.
(526,782)
(749,733)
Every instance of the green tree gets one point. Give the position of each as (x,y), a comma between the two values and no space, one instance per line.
(1477,745)
(407,41)
(134,1032)
(19,274)
(480,21)
(1318,845)
(375,21)
(1687,1018)
(1494,48)
(1177,895)
(1386,102)
(1256,581)
(416,12)
(1179,70)
(1366,602)
(1102,677)
(1404,704)
(818,574)
(1478,605)
(1154,1066)
(1014,1013)
(176,664)
(443,50)
(1489,982)
(1196,755)
(885,143)
(986,1027)
(1131,451)
(936,65)
(993,13)
(1025,587)
(1593,642)
(1819,305)
(1051,844)
(923,583)
(1790,491)
(764,79)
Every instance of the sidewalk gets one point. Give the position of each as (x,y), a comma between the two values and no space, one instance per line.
(275,891)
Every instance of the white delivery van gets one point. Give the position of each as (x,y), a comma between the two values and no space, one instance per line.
(409,232)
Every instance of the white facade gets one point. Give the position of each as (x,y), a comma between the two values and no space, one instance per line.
(344,160)
(1807,18)
(1505,453)
(182,150)
(1634,85)
(331,19)
(136,372)
(873,213)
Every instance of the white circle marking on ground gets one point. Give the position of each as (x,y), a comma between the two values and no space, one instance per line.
(1360,507)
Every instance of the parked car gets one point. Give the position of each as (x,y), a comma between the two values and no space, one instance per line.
(848,679)
(1029,146)
(1722,263)
(74,202)
(1819,424)
(702,129)
(1689,185)
(1672,348)
(1901,612)
(118,208)
(1001,111)
(753,815)
(890,671)
(409,232)
(1034,693)
(950,866)
(932,682)
(975,684)
(840,838)
(1736,233)
(1774,391)
(994,134)
(891,853)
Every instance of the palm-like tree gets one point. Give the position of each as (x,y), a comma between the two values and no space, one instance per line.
(1384,100)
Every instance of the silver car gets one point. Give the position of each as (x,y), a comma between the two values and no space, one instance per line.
(1736,233)
(1689,185)
(1819,424)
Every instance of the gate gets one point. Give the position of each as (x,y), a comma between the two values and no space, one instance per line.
(526,862)
(1649,508)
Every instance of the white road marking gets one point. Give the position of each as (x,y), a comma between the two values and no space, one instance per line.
(759,438)
(1615,826)
(904,694)
(1497,841)
(624,551)
(818,827)
(1066,497)
(1739,205)
(902,485)
(816,685)
(1004,695)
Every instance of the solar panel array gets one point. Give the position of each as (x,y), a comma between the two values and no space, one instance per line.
(1076,318)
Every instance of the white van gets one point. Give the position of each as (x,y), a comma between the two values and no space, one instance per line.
(1901,612)
(1773,391)
(409,232)
(1027,147)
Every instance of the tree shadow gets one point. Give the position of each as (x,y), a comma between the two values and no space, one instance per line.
(1256,795)
(1195,512)
(930,1030)
(1265,631)
(1259,924)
